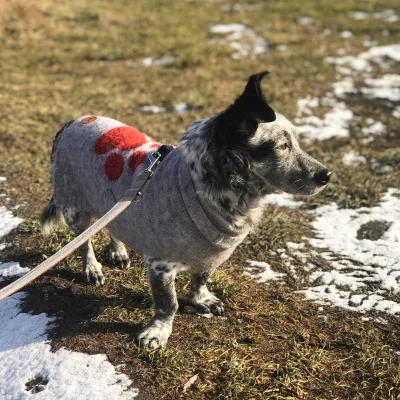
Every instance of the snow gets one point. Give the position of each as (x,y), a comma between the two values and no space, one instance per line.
(361,253)
(304,20)
(262,272)
(281,47)
(385,87)
(388,15)
(372,130)
(240,38)
(181,108)
(354,76)
(282,200)
(25,354)
(29,367)
(238,7)
(153,109)
(358,15)
(333,124)
(227,28)
(353,157)
(7,222)
(346,34)
(165,60)
(337,230)
(11,269)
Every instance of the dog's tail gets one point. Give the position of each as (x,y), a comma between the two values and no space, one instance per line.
(51,217)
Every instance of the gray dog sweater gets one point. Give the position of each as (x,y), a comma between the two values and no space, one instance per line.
(96,159)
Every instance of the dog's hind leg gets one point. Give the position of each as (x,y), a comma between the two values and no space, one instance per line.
(78,222)
(162,282)
(118,253)
(201,298)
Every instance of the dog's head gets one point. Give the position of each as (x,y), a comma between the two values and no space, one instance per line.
(251,136)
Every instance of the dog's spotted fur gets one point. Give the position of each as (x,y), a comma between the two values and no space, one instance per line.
(235,158)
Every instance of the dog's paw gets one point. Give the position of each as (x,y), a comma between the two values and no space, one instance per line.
(119,259)
(92,274)
(155,335)
(208,304)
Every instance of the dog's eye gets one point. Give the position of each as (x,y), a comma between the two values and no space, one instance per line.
(283,146)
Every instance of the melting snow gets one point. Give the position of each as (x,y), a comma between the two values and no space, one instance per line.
(11,269)
(7,222)
(29,367)
(388,15)
(242,39)
(153,109)
(282,200)
(304,20)
(358,15)
(353,157)
(238,7)
(227,28)
(362,249)
(181,108)
(262,272)
(350,69)
(165,60)
(346,34)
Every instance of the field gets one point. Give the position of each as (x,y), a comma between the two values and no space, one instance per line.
(312,297)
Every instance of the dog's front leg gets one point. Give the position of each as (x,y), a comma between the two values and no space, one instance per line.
(162,283)
(201,298)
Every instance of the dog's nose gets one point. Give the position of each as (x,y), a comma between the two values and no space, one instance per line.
(322,177)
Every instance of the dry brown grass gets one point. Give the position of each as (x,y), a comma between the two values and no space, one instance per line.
(64,59)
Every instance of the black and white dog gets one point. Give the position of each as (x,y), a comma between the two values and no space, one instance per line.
(204,198)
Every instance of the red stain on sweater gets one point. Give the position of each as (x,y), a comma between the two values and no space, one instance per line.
(88,120)
(122,138)
(136,159)
(113,166)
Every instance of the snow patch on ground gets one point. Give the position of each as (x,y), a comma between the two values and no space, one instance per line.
(362,250)
(10,270)
(29,367)
(282,200)
(372,130)
(353,157)
(153,109)
(262,272)
(243,40)
(354,76)
(304,20)
(164,60)
(239,7)
(396,112)
(388,15)
(180,109)
(346,34)
(7,222)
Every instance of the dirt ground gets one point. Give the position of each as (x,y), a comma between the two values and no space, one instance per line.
(61,60)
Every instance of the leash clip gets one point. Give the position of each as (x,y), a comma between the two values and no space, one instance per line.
(154,159)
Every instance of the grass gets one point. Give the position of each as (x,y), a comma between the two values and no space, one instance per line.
(61,60)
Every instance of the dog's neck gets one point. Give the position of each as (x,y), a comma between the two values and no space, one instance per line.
(223,177)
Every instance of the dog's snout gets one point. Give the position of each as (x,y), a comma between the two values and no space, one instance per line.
(322,177)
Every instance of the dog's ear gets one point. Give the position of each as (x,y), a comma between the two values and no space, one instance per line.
(240,120)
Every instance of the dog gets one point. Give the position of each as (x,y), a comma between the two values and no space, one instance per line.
(202,201)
